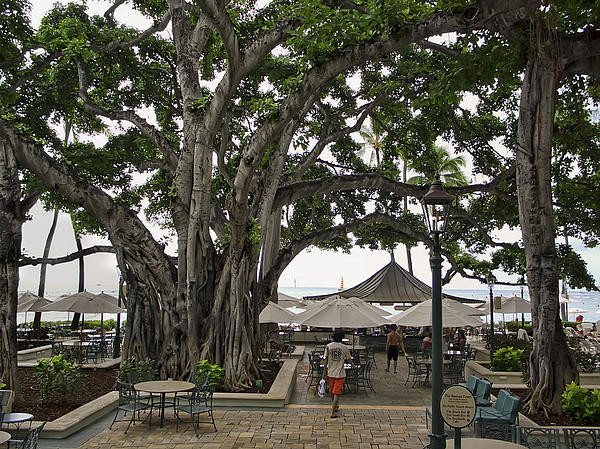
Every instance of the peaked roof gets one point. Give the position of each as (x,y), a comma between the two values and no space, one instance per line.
(392,284)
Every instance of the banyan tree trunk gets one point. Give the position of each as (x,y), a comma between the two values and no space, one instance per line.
(10,251)
(552,364)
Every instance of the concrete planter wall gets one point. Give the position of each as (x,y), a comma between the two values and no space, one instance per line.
(481,369)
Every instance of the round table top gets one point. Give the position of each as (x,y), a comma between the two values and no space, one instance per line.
(164,386)
(4,437)
(12,418)
(477,443)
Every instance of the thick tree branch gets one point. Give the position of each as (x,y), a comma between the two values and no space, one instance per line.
(438,48)
(486,14)
(157,27)
(30,199)
(287,254)
(32,261)
(217,14)
(109,14)
(581,53)
(145,128)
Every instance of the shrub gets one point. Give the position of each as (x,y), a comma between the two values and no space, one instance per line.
(215,372)
(56,376)
(581,404)
(133,371)
(509,359)
(514,326)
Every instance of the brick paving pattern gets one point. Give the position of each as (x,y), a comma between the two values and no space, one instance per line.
(391,417)
(291,427)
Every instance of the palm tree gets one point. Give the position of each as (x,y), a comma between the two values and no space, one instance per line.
(373,142)
(439,163)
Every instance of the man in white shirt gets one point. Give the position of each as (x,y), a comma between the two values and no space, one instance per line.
(336,354)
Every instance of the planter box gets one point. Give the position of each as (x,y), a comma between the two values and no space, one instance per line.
(515,380)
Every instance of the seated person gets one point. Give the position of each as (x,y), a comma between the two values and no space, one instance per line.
(426,343)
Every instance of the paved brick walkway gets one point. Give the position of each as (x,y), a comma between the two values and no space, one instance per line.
(391,417)
(300,427)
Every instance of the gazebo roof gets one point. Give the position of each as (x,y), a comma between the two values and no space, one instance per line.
(391,284)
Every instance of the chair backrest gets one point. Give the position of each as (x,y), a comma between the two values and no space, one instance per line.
(482,390)
(502,395)
(510,408)
(31,439)
(472,382)
(203,396)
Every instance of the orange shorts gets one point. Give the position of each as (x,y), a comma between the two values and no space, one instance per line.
(336,384)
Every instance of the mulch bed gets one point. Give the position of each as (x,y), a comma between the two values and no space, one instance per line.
(539,418)
(94,383)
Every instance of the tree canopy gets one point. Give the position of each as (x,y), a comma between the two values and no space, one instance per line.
(234,123)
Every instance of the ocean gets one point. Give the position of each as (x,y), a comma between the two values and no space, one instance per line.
(587,302)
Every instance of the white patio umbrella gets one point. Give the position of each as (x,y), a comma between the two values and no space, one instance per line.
(511,304)
(83,302)
(274,313)
(452,315)
(336,311)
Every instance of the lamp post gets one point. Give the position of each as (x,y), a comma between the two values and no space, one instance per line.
(491,280)
(436,207)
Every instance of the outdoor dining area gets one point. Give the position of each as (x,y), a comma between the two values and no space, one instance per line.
(83,345)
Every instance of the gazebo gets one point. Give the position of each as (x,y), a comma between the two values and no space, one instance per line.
(392,284)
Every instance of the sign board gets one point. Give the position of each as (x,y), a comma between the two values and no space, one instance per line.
(457,406)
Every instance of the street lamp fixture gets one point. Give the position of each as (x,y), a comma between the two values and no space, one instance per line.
(436,208)
(491,280)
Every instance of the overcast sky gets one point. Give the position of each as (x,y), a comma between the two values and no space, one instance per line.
(312,268)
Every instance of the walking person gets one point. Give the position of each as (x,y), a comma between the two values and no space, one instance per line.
(394,340)
(336,354)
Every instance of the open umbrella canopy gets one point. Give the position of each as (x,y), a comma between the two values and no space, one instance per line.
(82,302)
(336,311)
(274,313)
(110,298)
(32,305)
(288,301)
(511,304)
(452,316)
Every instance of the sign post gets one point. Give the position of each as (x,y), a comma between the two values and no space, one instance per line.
(458,409)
